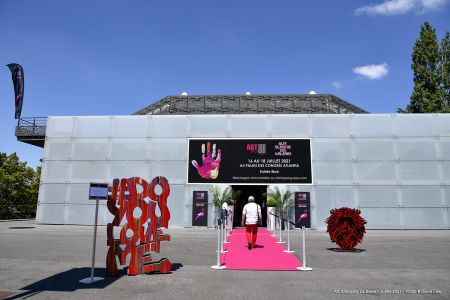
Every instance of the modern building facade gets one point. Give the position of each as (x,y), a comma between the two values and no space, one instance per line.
(394,168)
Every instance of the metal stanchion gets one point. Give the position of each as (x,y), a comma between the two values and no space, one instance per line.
(221,234)
(230,224)
(289,238)
(304,267)
(218,266)
(225,230)
(222,227)
(280,241)
(274,225)
(273,230)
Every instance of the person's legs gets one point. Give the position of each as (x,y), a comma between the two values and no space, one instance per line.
(248,232)
(254,233)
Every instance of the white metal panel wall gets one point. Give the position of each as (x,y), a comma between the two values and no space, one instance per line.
(395,168)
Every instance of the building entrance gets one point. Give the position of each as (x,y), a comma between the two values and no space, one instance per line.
(259,192)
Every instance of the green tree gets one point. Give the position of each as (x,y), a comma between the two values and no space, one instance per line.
(426,96)
(219,197)
(284,201)
(227,195)
(19,187)
(444,71)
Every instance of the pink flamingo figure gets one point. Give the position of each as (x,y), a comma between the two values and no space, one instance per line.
(303,216)
(200,214)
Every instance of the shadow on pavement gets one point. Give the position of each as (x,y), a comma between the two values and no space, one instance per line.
(21,227)
(348,251)
(68,281)
(176,266)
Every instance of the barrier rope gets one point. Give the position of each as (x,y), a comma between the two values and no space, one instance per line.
(304,267)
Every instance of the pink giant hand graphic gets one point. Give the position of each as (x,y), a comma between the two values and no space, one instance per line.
(303,216)
(210,165)
(200,214)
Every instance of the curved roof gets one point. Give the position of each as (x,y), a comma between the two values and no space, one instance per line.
(250,104)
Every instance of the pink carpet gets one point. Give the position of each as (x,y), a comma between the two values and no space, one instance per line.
(268,255)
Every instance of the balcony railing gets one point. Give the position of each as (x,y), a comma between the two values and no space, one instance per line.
(32,130)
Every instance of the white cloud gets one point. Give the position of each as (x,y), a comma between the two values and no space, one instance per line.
(398,7)
(337,84)
(433,4)
(390,7)
(372,71)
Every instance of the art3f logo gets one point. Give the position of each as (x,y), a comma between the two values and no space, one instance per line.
(257,148)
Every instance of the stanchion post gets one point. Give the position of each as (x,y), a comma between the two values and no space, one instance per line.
(218,266)
(222,227)
(219,226)
(225,230)
(274,226)
(289,238)
(280,241)
(304,267)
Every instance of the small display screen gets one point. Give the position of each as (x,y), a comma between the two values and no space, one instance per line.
(98,191)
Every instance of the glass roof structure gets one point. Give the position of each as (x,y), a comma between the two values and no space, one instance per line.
(251,104)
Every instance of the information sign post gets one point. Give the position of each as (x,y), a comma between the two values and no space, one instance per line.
(97,191)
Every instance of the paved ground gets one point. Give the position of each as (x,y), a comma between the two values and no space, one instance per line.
(46,262)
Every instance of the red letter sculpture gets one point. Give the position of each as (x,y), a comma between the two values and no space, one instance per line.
(346,227)
(140,231)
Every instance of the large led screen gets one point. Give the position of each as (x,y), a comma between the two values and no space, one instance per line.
(250,161)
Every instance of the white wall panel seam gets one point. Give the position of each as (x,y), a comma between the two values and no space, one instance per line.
(314,221)
(189,126)
(269,125)
(186,207)
(228,125)
(66,203)
(150,126)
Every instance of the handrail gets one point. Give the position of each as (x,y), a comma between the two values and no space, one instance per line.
(31,127)
(32,121)
(282,218)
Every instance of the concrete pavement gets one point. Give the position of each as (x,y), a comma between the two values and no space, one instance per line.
(46,262)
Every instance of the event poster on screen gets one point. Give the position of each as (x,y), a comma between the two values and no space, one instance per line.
(200,208)
(250,161)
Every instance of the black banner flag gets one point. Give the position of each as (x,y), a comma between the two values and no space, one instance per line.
(17,77)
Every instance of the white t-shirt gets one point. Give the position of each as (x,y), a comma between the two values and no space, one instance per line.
(251,211)
(225,206)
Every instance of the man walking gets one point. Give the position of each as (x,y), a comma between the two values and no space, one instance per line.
(251,215)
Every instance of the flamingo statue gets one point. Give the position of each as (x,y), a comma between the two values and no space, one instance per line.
(303,216)
(200,214)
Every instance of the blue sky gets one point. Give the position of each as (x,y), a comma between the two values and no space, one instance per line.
(116,57)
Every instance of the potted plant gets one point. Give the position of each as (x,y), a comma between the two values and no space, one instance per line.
(231,201)
(284,202)
(219,197)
